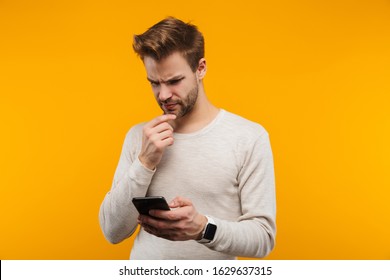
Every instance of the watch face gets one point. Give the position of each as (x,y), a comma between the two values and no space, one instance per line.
(210,231)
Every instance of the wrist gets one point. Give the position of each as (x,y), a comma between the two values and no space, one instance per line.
(146,164)
(202,225)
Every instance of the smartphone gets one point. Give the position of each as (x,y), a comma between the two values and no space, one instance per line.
(144,204)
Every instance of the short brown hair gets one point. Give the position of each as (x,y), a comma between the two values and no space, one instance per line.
(168,36)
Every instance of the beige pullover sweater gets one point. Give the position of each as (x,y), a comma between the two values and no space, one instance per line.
(225,169)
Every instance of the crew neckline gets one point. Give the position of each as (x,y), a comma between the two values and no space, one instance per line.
(203,130)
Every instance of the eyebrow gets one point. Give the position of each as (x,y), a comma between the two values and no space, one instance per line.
(174,78)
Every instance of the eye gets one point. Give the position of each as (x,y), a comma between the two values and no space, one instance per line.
(174,82)
(154,84)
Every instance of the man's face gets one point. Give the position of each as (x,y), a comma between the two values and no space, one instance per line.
(174,85)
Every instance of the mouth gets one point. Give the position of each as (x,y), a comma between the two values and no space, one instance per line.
(170,106)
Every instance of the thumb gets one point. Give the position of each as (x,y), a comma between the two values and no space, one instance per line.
(180,202)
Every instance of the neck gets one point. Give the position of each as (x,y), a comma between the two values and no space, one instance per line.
(200,116)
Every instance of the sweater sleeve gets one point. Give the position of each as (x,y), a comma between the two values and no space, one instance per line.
(118,216)
(253,234)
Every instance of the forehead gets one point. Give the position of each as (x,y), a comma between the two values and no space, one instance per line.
(174,64)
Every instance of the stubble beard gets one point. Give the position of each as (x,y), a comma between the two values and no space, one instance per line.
(186,105)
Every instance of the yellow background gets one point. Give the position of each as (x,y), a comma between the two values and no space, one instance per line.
(315,74)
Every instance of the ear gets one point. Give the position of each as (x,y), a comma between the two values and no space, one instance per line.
(202,69)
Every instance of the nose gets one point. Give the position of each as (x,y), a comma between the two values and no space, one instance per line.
(165,92)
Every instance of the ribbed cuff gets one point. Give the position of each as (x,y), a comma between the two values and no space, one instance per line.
(140,174)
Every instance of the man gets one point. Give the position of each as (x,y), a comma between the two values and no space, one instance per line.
(214,167)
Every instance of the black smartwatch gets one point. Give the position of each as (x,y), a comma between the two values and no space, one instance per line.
(209,231)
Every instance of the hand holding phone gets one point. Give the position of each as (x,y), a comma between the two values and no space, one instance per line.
(184,222)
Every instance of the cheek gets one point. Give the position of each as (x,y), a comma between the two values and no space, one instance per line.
(183,89)
(155,91)
(177,90)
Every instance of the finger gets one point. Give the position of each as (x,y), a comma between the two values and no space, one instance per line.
(167,141)
(158,224)
(161,136)
(146,220)
(166,215)
(161,119)
(149,229)
(170,235)
(162,127)
(180,202)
